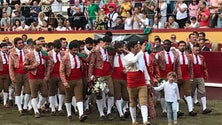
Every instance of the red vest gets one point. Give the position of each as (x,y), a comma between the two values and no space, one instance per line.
(5,70)
(20,70)
(40,74)
(55,71)
(185,72)
(103,72)
(135,79)
(197,71)
(75,74)
(169,68)
(118,73)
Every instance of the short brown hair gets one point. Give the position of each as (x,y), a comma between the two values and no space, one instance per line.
(173,74)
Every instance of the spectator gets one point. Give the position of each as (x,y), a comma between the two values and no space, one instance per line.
(41,18)
(46,6)
(124,7)
(144,21)
(18,15)
(191,42)
(5,22)
(128,25)
(203,15)
(25,10)
(193,8)
(174,41)
(101,23)
(60,26)
(92,10)
(52,20)
(14,2)
(194,23)
(136,18)
(77,4)
(23,27)
(16,24)
(201,35)
(213,7)
(202,45)
(187,24)
(79,20)
(157,45)
(181,13)
(44,26)
(156,23)
(16,8)
(149,7)
(111,18)
(68,25)
(162,8)
(7,9)
(171,24)
(35,9)
(34,26)
(108,4)
(100,3)
(57,7)
(219,14)
(119,23)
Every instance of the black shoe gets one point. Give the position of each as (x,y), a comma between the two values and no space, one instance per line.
(164,114)
(192,113)
(206,111)
(197,104)
(122,118)
(61,113)
(179,114)
(82,118)
(126,114)
(69,118)
(109,117)
(53,113)
(102,118)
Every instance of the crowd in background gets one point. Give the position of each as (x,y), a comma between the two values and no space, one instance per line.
(48,15)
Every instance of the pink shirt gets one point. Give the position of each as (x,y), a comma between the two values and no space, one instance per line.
(193,10)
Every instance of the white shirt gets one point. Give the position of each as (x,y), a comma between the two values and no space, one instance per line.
(166,56)
(180,15)
(56,6)
(163,9)
(104,54)
(37,57)
(60,28)
(195,59)
(171,91)
(18,52)
(143,68)
(54,56)
(3,58)
(116,60)
(131,61)
(71,57)
(181,58)
(87,50)
(144,23)
(128,25)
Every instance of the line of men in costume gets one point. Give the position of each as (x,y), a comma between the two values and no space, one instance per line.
(129,70)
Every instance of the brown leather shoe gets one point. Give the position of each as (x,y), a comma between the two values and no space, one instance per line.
(206,111)
(69,118)
(82,118)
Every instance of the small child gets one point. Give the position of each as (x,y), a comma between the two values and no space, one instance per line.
(171,93)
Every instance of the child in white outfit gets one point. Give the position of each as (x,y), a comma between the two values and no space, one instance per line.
(171,93)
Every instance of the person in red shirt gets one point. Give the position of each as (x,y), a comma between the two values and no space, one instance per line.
(199,75)
(71,76)
(4,77)
(203,15)
(18,75)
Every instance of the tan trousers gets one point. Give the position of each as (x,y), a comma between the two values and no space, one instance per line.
(74,89)
(200,85)
(109,82)
(54,85)
(21,80)
(120,90)
(4,82)
(38,85)
(186,85)
(137,94)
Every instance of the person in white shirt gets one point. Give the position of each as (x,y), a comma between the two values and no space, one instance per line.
(144,21)
(181,13)
(171,93)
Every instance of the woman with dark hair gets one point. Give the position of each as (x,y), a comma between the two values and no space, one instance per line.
(52,20)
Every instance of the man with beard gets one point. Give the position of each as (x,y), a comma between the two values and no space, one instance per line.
(167,62)
(79,20)
(18,75)
(185,76)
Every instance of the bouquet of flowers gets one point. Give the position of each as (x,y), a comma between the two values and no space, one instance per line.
(98,87)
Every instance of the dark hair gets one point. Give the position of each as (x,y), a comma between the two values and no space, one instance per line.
(191,35)
(131,44)
(62,38)
(73,44)
(158,39)
(3,44)
(118,45)
(49,44)
(57,44)
(80,42)
(196,45)
(173,74)
(107,39)
(30,41)
(96,41)
(16,40)
(167,40)
(34,42)
(204,35)
(25,35)
(41,37)
(109,33)
(182,42)
(89,40)
(193,18)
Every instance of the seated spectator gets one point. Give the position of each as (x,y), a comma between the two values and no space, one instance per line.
(202,45)
(128,22)
(34,26)
(5,22)
(101,23)
(171,24)
(194,23)
(14,2)
(60,26)
(68,25)
(144,21)
(204,15)
(23,27)
(187,24)
(79,20)
(16,24)
(119,23)
(7,9)
(52,20)
(35,9)
(219,14)
(17,8)
(25,10)
(43,26)
(156,23)
(41,18)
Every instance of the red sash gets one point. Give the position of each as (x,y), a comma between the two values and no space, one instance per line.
(55,71)
(135,79)
(75,74)
(118,73)
(40,74)
(5,70)
(20,70)
(185,72)
(197,71)
(103,72)
(169,68)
